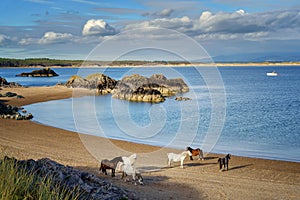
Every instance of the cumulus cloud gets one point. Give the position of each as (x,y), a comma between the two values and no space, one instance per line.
(232,25)
(98,27)
(52,37)
(48,38)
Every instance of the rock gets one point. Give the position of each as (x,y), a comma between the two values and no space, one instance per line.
(102,83)
(182,99)
(4,83)
(153,89)
(47,72)
(88,185)
(10,94)
(132,88)
(12,112)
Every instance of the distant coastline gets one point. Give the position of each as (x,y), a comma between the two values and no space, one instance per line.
(54,63)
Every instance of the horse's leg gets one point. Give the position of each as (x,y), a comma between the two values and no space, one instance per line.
(220,164)
(191,157)
(113,172)
(181,163)
(169,162)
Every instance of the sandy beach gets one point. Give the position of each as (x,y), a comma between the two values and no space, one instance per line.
(247,178)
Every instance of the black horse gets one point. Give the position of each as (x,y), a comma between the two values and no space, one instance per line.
(224,162)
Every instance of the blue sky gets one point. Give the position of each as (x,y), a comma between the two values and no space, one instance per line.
(72,29)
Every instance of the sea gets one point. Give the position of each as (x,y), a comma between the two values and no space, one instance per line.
(237,110)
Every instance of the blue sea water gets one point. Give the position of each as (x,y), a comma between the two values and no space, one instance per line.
(261,114)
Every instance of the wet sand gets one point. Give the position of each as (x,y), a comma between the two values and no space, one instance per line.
(247,178)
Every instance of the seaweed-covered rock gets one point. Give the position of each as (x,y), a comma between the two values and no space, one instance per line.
(47,72)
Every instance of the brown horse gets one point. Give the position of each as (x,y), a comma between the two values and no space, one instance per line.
(195,152)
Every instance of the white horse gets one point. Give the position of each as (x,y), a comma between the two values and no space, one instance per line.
(129,160)
(178,157)
(130,170)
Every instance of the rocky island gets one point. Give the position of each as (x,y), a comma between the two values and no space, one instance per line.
(47,72)
(132,88)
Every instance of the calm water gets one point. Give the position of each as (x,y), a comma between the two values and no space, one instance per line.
(262,113)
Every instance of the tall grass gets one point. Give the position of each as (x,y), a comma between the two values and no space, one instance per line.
(17,183)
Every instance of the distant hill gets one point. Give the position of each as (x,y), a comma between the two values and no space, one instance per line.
(258,57)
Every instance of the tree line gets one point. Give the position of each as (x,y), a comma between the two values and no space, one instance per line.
(44,62)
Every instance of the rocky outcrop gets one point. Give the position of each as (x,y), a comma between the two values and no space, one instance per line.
(12,112)
(47,72)
(4,83)
(153,89)
(101,82)
(88,185)
(132,88)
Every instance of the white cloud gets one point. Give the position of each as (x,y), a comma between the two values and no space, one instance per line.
(4,39)
(52,37)
(97,27)
(48,38)
(180,24)
(167,12)
(28,41)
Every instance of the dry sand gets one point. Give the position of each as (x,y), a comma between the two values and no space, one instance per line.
(247,178)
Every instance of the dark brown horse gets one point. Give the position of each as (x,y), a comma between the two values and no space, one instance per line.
(195,152)
(110,164)
(224,162)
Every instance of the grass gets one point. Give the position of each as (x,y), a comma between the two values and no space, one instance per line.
(17,183)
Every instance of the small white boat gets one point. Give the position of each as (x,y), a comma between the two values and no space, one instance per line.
(273,73)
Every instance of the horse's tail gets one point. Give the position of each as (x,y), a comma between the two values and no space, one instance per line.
(201,154)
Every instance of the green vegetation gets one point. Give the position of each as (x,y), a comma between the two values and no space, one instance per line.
(17,183)
(45,62)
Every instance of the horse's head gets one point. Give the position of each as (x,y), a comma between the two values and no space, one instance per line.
(228,156)
(189,149)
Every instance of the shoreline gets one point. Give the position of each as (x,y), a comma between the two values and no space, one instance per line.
(221,64)
(248,178)
(66,93)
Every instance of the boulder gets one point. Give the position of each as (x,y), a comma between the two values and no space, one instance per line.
(12,112)
(153,89)
(6,84)
(132,88)
(182,98)
(77,82)
(47,72)
(102,83)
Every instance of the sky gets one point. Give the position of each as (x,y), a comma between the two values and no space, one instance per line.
(148,30)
